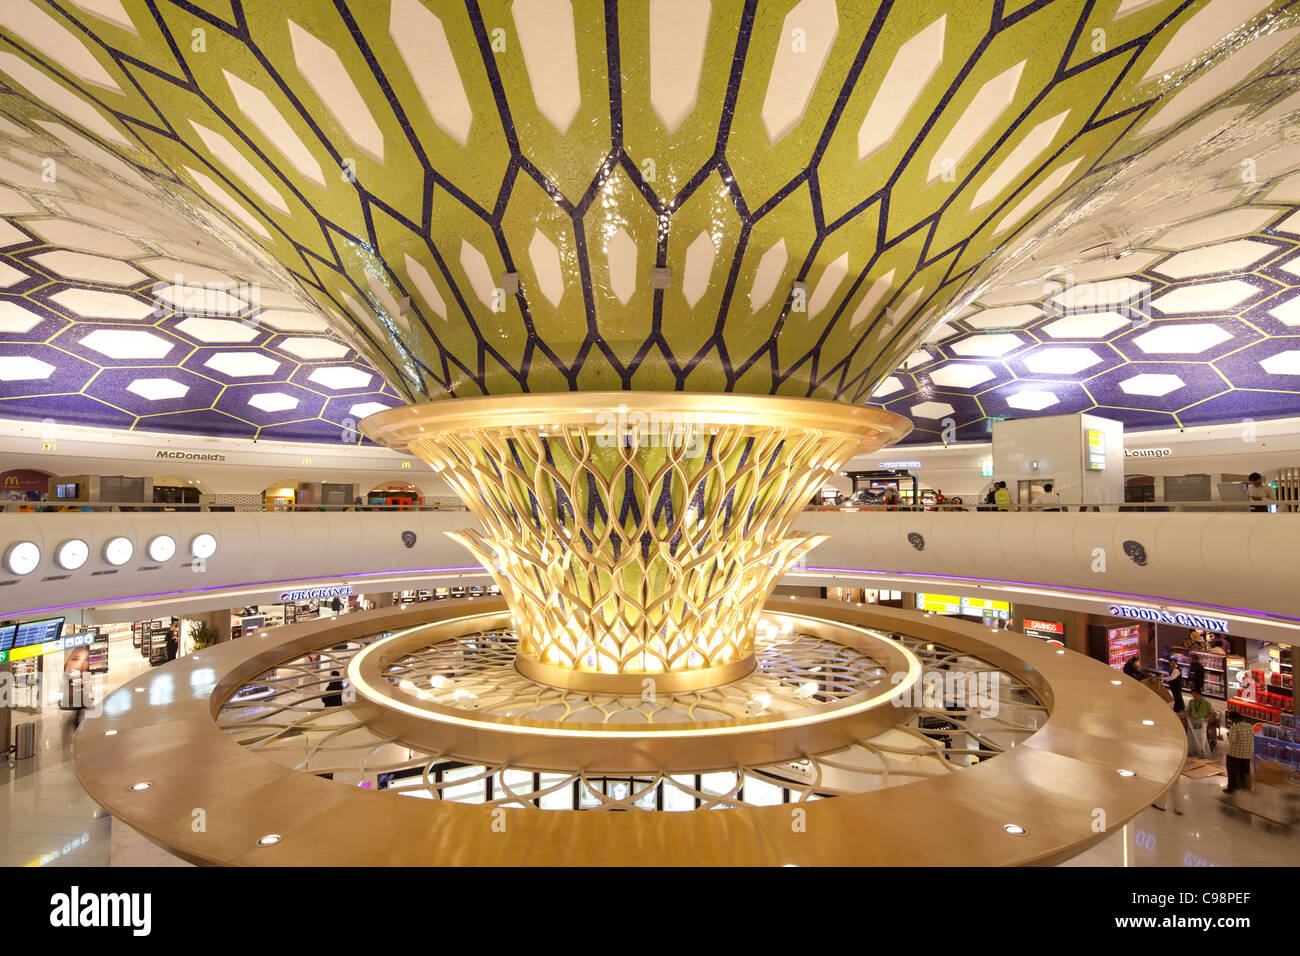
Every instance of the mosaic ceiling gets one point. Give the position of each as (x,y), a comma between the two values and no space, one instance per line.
(853,200)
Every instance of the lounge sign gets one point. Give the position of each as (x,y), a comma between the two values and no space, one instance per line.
(312,594)
(1161,616)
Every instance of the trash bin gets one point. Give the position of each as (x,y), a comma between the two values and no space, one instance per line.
(25,740)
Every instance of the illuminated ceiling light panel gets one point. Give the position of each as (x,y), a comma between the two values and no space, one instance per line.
(108,10)
(1112,267)
(1290,224)
(287,320)
(1005,317)
(11,236)
(273,401)
(1036,197)
(80,265)
(545,258)
(987,345)
(478,273)
(909,73)
(1210,297)
(679,32)
(1219,80)
(976,120)
(930,410)
(180,272)
(14,318)
(888,387)
(1154,385)
(243,364)
(59,97)
(1061,361)
(1096,325)
(22,368)
(1034,144)
(157,389)
(900,312)
(961,375)
(1283,363)
(10,276)
(12,202)
(1236,256)
(1224,225)
(620,254)
(1187,339)
(832,278)
(699,267)
(805,42)
(1099,295)
(94,304)
(13,129)
(199,299)
(366,317)
(768,274)
(321,67)
(546,37)
(422,42)
(217,331)
(917,359)
(1202,31)
(939,333)
(257,106)
(313,348)
(1032,400)
(1133,6)
(28,21)
(340,377)
(76,235)
(226,201)
(363,409)
(1288,313)
(424,285)
(238,163)
(879,289)
(127,344)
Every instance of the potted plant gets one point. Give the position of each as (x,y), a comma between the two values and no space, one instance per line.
(203,635)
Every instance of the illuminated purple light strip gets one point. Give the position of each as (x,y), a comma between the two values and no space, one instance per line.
(249,585)
(1059,587)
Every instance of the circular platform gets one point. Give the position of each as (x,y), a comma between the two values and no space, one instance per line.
(1023,772)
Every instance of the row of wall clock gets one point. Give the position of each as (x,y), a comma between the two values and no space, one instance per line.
(24,557)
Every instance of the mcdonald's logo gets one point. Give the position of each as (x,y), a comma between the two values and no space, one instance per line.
(11,479)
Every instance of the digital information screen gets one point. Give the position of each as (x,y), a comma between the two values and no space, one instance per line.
(1096,449)
(37,638)
(970,607)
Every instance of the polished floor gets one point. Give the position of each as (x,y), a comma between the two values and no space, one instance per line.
(46,819)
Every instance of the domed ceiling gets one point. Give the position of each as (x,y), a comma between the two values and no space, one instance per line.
(957,210)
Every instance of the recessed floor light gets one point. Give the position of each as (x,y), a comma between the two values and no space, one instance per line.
(1117,682)
(1149,723)
(143,785)
(271,839)
(110,733)
(1126,773)
(1014,830)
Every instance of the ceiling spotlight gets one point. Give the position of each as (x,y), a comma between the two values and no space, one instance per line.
(1148,723)
(1117,682)
(1014,830)
(1126,773)
(271,839)
(110,733)
(143,785)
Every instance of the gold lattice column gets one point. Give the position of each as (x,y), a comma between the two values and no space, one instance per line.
(636,534)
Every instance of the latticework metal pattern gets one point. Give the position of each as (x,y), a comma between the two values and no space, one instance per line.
(626,553)
(282,715)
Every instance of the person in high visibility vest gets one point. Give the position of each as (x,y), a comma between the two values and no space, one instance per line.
(1002,497)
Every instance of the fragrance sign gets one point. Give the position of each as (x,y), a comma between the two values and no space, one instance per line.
(313,594)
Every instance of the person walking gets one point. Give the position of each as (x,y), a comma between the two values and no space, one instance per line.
(1198,715)
(1003,497)
(1048,500)
(333,696)
(1241,751)
(1259,491)
(1157,687)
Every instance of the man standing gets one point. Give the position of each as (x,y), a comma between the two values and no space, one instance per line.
(1241,751)
(1003,497)
(1049,500)
(1259,491)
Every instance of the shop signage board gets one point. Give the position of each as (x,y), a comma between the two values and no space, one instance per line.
(313,594)
(1148,452)
(1160,616)
(899,465)
(1051,631)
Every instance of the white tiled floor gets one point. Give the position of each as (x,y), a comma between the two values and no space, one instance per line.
(46,819)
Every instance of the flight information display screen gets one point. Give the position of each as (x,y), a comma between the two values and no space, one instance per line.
(7,636)
(33,638)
